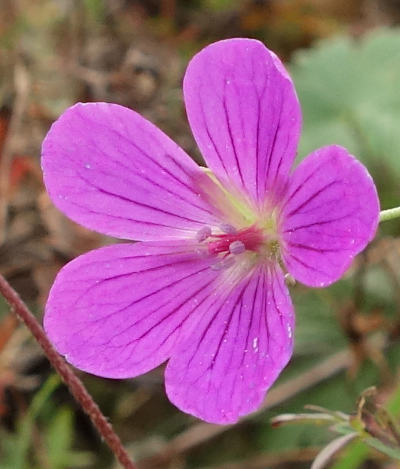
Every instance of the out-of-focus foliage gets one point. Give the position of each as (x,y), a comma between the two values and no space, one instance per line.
(349,92)
(373,425)
(15,448)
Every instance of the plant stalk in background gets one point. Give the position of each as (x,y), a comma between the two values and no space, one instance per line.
(73,383)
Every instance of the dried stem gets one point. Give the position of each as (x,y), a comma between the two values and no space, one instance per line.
(74,384)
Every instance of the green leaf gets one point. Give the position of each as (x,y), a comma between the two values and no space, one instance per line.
(358,452)
(221,5)
(349,95)
(382,448)
(18,456)
(59,439)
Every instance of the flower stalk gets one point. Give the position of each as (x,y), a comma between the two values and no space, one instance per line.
(74,384)
(389,214)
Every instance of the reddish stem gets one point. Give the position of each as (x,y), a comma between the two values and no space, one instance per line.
(74,384)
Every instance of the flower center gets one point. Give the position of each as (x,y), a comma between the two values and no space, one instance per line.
(246,244)
(247,239)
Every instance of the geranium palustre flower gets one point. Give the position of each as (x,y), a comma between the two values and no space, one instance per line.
(204,287)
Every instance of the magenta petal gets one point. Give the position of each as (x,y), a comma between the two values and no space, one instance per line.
(330,214)
(118,311)
(111,170)
(238,347)
(244,114)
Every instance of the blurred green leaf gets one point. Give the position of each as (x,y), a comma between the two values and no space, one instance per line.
(16,447)
(59,439)
(220,5)
(357,453)
(349,95)
(317,330)
(95,9)
(58,436)
(372,424)
(393,453)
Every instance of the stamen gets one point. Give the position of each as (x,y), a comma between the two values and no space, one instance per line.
(203,233)
(237,247)
(290,280)
(227,228)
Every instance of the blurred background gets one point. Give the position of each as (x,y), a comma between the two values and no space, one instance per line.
(344,56)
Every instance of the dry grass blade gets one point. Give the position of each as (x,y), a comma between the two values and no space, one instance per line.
(334,446)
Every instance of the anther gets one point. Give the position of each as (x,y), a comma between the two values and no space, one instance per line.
(227,228)
(203,233)
(237,247)
(290,280)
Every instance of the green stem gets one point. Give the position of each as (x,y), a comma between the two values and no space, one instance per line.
(389,214)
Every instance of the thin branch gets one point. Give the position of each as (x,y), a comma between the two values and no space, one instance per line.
(74,384)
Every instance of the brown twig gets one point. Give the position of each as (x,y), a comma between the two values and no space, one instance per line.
(74,384)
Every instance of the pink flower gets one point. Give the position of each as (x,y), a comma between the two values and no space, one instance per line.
(204,287)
